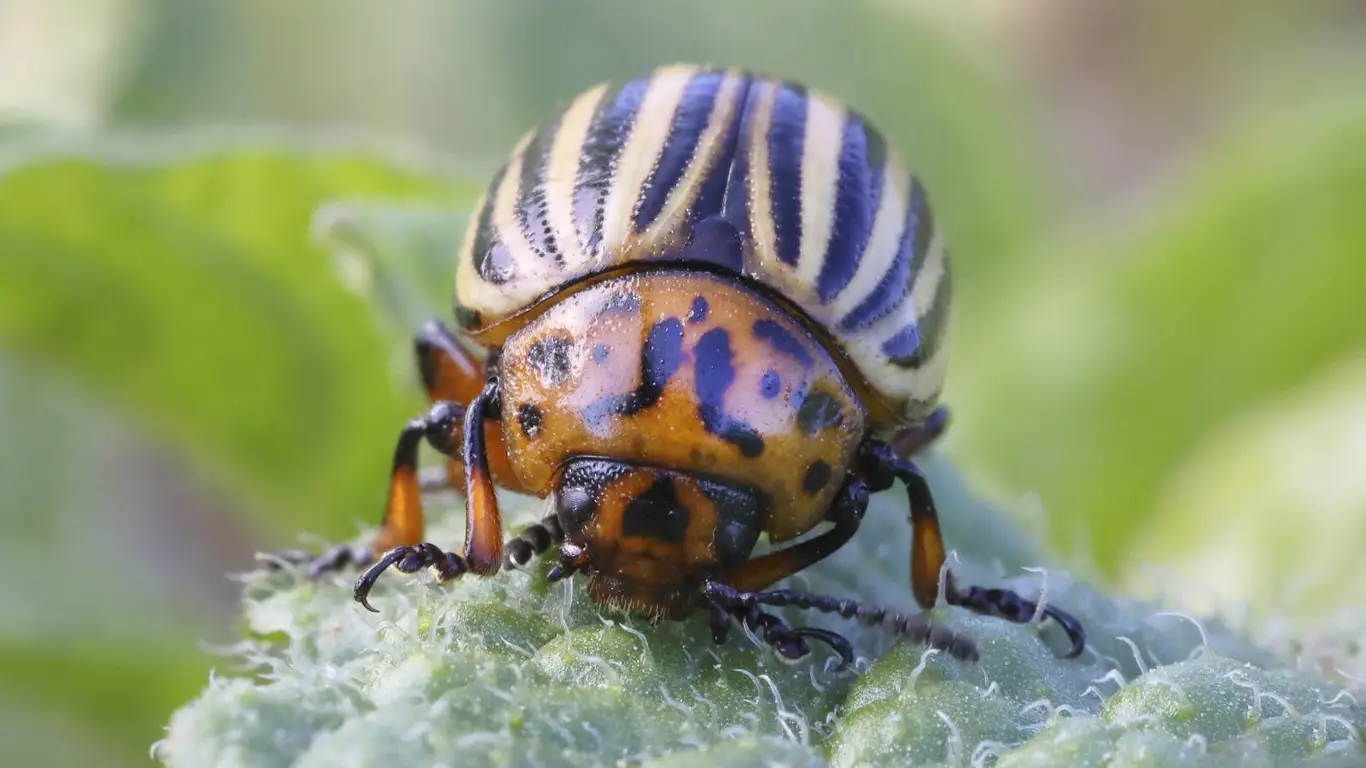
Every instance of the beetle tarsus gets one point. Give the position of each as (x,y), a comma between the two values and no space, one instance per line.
(410,559)
(1011,606)
(789,644)
(337,558)
(532,541)
(882,466)
(916,627)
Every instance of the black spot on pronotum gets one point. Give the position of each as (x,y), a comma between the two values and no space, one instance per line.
(549,358)
(816,477)
(714,372)
(656,513)
(770,384)
(600,352)
(778,337)
(660,357)
(697,312)
(622,303)
(529,418)
(818,411)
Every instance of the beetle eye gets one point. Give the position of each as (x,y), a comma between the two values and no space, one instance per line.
(575,507)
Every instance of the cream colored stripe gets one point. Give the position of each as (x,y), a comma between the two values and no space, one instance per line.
(763,240)
(562,173)
(649,131)
(927,282)
(709,147)
(470,288)
(927,380)
(819,184)
(888,225)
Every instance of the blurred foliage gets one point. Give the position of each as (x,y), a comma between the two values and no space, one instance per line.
(203,333)
(188,291)
(1105,367)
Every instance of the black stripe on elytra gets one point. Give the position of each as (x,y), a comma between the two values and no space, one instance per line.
(786,144)
(660,357)
(689,122)
(492,259)
(775,335)
(532,209)
(735,200)
(898,282)
(656,513)
(856,199)
(607,134)
(818,411)
(712,196)
(713,373)
(919,340)
(715,241)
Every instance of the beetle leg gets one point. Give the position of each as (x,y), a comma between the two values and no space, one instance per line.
(409,559)
(483,524)
(451,372)
(532,541)
(909,442)
(846,512)
(402,521)
(913,626)
(928,554)
(401,530)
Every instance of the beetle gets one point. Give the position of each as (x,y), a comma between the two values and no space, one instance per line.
(714,305)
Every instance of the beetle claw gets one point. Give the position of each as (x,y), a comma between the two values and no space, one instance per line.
(1075,634)
(408,559)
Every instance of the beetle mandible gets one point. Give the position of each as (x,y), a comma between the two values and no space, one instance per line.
(715,305)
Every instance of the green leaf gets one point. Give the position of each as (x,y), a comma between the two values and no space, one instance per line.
(1283,479)
(181,285)
(1113,360)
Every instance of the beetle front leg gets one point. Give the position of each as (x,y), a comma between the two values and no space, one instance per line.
(402,522)
(882,465)
(403,515)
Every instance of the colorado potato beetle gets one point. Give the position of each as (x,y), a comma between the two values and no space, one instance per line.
(715,305)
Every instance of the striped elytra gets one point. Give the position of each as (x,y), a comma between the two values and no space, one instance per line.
(781,186)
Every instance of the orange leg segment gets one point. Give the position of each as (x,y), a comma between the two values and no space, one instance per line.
(451,372)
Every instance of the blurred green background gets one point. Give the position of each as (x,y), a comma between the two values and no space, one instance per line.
(1157,210)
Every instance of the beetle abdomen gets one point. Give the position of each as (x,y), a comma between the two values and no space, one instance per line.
(761,177)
